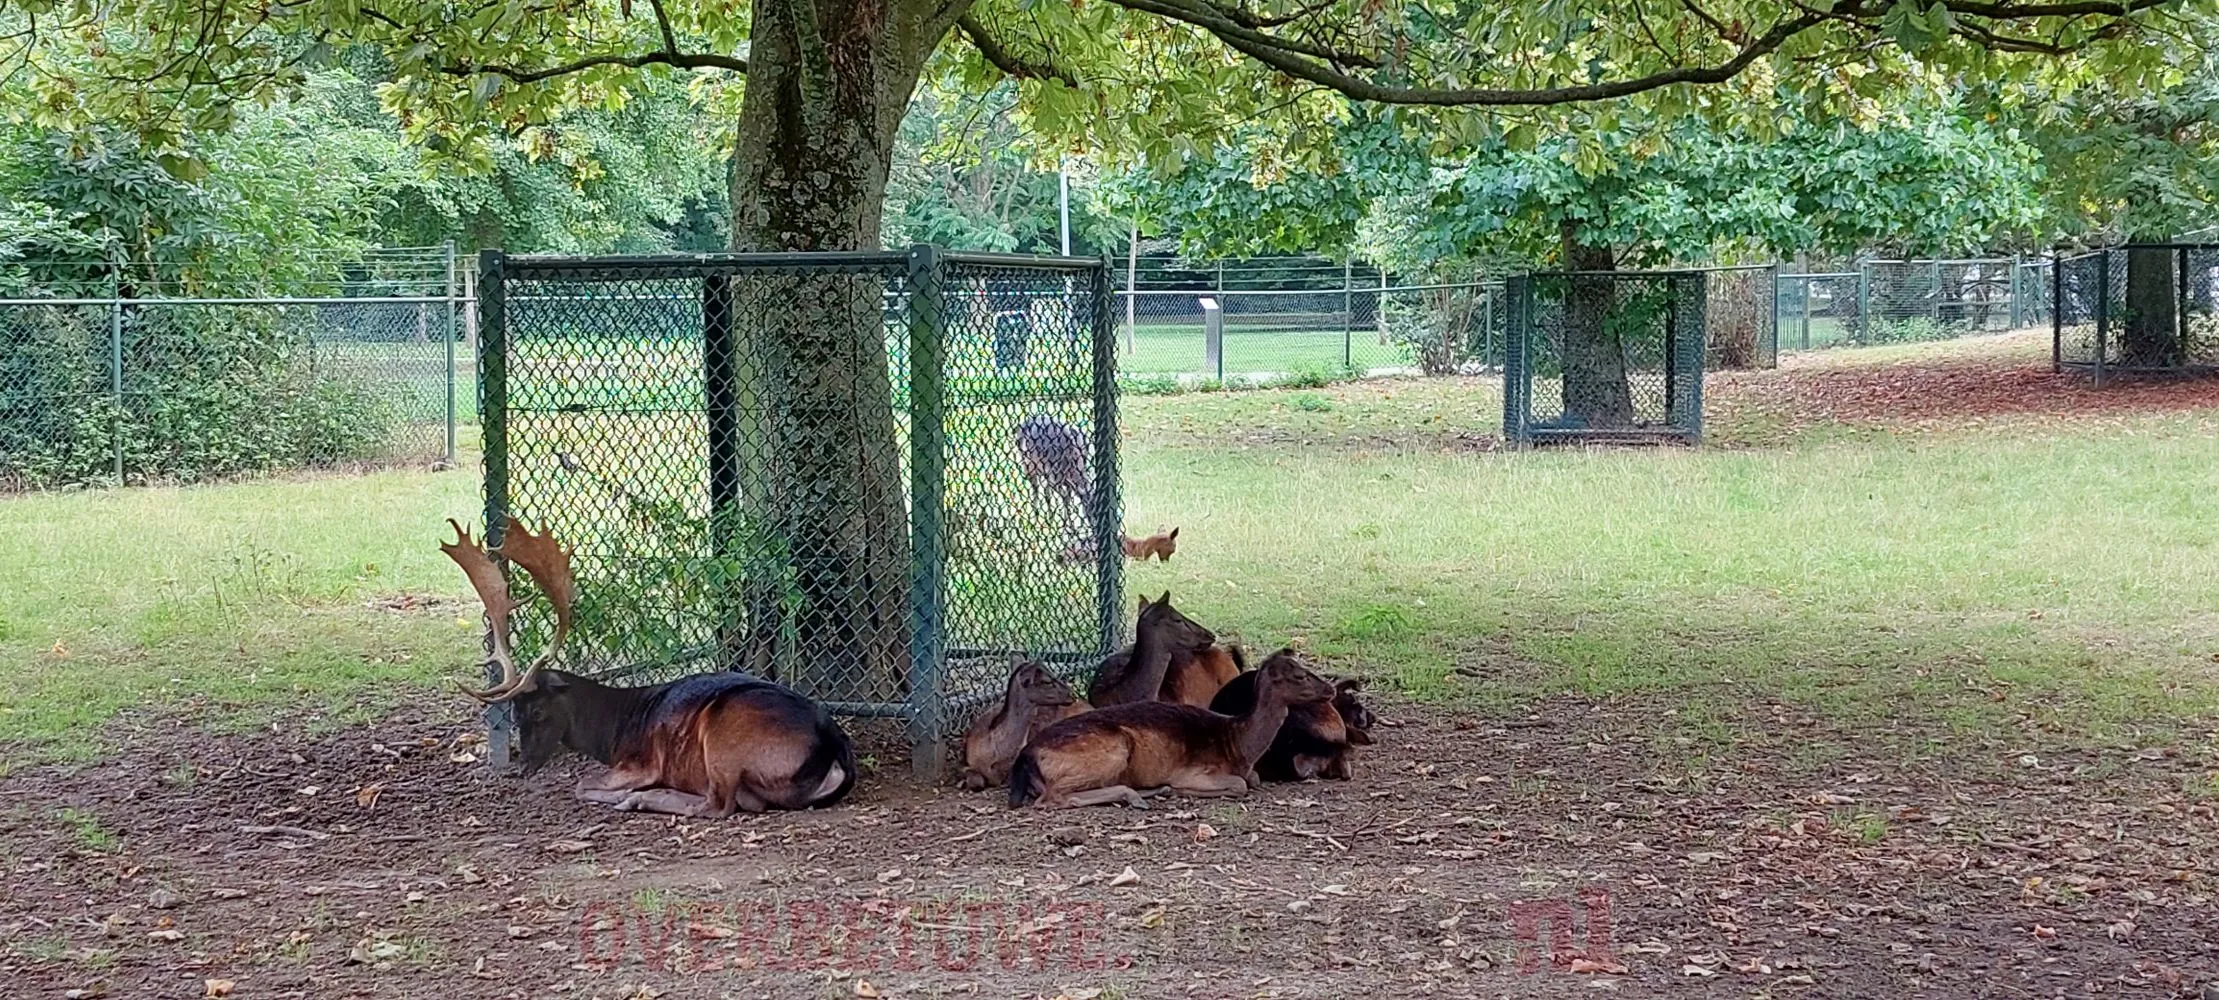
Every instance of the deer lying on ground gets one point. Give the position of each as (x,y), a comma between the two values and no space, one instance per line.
(705,745)
(1316,740)
(1034,700)
(1192,673)
(1161,545)
(1139,672)
(1113,754)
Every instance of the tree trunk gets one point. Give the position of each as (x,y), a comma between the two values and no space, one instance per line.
(1595,390)
(828,82)
(2151,338)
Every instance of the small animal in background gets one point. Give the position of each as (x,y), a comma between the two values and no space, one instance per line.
(1114,754)
(1161,545)
(1053,455)
(1034,700)
(1315,740)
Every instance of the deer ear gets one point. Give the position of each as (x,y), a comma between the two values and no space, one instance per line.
(1350,684)
(1165,599)
(1144,604)
(1174,533)
(549,680)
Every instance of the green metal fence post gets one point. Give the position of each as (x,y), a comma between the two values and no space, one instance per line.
(500,717)
(1516,378)
(1108,506)
(1687,382)
(1348,313)
(449,338)
(2103,312)
(1806,314)
(115,359)
(2056,313)
(720,385)
(1938,290)
(928,456)
(1864,299)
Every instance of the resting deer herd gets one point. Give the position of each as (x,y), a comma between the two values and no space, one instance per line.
(1176,710)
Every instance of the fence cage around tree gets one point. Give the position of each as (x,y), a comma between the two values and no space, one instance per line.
(2138,308)
(873,477)
(1605,356)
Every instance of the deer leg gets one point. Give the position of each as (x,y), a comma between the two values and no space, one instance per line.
(1203,784)
(672,801)
(1114,793)
(612,786)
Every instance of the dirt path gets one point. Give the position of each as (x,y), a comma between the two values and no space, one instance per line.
(385,861)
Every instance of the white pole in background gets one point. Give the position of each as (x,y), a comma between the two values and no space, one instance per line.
(1063,204)
(1132,283)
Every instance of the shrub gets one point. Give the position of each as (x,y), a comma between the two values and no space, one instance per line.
(207,392)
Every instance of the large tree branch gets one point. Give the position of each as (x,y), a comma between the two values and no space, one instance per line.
(2020,12)
(1009,62)
(681,60)
(1322,66)
(1230,32)
(1295,64)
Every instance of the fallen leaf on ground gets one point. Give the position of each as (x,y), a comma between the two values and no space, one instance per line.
(217,987)
(1124,878)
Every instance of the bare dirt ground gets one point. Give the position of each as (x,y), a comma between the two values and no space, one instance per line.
(1933,393)
(1570,853)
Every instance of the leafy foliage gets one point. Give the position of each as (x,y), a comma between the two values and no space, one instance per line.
(212,392)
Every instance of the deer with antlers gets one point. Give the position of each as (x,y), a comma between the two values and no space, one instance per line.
(706,745)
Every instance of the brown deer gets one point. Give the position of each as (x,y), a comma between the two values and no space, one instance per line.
(1137,673)
(1316,740)
(705,745)
(1113,754)
(1053,455)
(1161,545)
(1191,678)
(1034,700)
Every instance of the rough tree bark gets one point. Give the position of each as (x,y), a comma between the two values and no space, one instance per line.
(2150,338)
(828,81)
(1595,390)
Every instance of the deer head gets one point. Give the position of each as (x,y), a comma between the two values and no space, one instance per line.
(549,567)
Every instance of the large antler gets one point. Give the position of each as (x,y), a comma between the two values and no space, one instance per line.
(549,567)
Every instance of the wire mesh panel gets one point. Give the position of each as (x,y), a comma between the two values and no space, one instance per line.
(111,377)
(1741,318)
(2138,308)
(2031,288)
(1820,310)
(873,477)
(1605,356)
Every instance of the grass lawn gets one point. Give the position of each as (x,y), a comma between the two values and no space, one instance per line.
(1165,348)
(1923,583)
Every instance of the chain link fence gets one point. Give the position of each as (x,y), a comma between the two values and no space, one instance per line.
(873,477)
(2141,308)
(1605,356)
(1741,318)
(1901,301)
(108,377)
